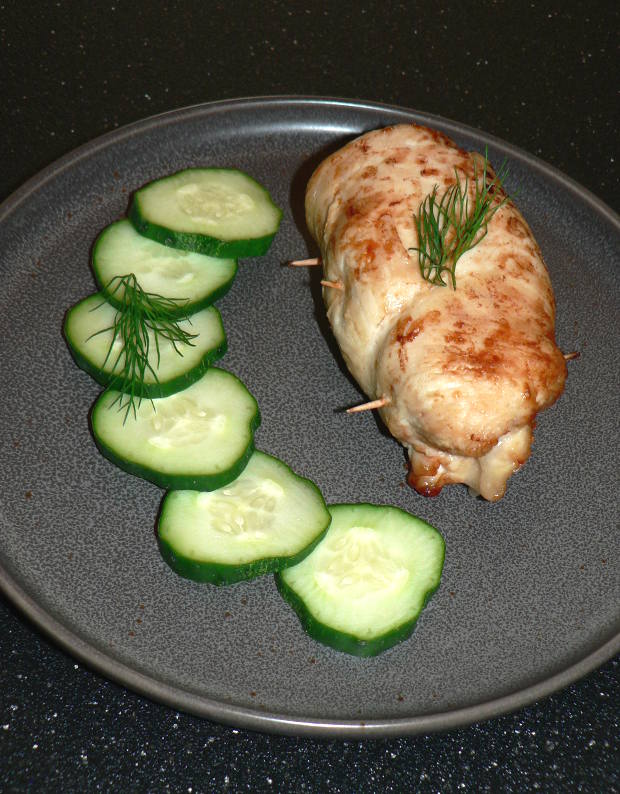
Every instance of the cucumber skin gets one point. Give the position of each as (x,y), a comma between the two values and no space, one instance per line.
(151,390)
(218,573)
(341,641)
(184,310)
(178,482)
(200,243)
(221,574)
(349,643)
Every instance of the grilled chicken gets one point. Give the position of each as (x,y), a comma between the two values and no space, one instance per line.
(463,370)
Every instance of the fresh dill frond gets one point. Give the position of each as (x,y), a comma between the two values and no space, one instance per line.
(143,319)
(452,224)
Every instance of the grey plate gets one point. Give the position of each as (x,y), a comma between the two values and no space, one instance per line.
(530,592)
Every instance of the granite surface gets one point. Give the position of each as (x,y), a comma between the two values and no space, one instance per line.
(536,74)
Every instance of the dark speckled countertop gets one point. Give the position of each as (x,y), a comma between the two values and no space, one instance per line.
(538,75)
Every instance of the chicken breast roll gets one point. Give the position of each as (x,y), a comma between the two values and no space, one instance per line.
(464,369)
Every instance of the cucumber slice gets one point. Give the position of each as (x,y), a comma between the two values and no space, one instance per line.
(195,280)
(363,587)
(214,211)
(265,520)
(174,372)
(199,438)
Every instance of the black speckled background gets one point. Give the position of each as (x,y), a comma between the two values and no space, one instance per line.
(535,74)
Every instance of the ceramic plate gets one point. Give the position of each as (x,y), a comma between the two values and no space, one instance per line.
(529,596)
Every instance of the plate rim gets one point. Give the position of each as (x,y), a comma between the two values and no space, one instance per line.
(225,713)
(10,202)
(316,727)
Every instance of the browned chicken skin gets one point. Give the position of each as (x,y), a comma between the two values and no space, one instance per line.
(464,370)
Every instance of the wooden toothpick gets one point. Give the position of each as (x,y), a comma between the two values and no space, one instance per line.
(369,406)
(316,260)
(332,284)
(571,356)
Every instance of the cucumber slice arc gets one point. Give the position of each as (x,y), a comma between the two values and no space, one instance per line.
(195,280)
(174,371)
(200,438)
(363,587)
(214,211)
(266,519)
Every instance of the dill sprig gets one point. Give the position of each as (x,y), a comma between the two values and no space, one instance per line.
(143,319)
(452,224)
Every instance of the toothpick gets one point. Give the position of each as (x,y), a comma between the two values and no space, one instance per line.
(333,284)
(316,260)
(369,406)
(571,356)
